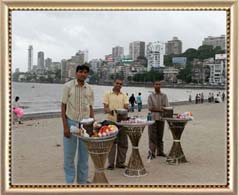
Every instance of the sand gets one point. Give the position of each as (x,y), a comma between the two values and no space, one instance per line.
(37,151)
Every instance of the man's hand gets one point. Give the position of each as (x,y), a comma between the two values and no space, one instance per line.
(67,133)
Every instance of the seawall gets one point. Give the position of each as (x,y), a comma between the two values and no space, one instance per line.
(57,114)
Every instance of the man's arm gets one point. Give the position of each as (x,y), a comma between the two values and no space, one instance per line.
(64,120)
(107,109)
(91,112)
(151,107)
(126,106)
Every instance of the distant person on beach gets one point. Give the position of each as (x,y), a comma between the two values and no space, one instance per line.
(202,98)
(223,96)
(77,103)
(132,101)
(190,98)
(218,98)
(113,100)
(209,97)
(17,111)
(156,101)
(139,102)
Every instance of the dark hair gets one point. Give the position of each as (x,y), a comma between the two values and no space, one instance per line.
(119,78)
(17,98)
(160,81)
(139,93)
(84,66)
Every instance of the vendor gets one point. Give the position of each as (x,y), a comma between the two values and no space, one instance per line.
(113,100)
(156,101)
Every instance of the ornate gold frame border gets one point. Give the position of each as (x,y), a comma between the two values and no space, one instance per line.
(230,6)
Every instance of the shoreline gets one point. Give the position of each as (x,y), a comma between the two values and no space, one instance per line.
(176,86)
(57,114)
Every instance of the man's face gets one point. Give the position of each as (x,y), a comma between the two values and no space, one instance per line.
(81,75)
(157,85)
(118,84)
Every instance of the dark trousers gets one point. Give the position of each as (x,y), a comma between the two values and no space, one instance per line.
(155,132)
(121,145)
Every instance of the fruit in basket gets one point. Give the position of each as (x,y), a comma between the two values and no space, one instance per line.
(107,130)
(96,125)
(113,127)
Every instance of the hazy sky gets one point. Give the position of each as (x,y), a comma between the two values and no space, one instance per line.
(60,34)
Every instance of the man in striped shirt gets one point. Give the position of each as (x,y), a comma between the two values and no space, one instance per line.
(156,101)
(77,103)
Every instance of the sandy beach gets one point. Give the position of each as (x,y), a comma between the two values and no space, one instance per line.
(37,151)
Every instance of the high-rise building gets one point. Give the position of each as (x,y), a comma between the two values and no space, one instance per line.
(136,49)
(80,57)
(48,63)
(155,55)
(173,46)
(40,60)
(215,41)
(30,58)
(117,52)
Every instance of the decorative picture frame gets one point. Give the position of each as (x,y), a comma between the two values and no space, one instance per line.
(230,6)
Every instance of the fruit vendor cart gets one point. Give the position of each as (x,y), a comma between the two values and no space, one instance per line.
(99,143)
(134,130)
(176,125)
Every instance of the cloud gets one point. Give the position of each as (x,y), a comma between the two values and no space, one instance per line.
(60,34)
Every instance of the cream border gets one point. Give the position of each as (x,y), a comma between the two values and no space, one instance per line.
(233,73)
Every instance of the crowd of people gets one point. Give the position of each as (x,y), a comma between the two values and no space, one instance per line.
(199,98)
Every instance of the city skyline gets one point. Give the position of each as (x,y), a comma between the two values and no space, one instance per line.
(61,34)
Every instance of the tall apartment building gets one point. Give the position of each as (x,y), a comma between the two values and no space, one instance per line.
(117,53)
(173,46)
(30,58)
(40,60)
(80,57)
(215,41)
(136,49)
(155,55)
(48,63)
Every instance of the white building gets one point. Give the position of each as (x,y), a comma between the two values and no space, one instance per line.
(170,74)
(155,55)
(218,70)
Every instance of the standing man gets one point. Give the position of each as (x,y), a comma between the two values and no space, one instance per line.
(139,102)
(113,100)
(77,103)
(156,101)
(132,101)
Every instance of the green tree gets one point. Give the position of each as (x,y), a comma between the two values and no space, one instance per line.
(186,74)
(205,52)
(168,60)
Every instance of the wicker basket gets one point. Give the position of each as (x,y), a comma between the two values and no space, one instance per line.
(98,149)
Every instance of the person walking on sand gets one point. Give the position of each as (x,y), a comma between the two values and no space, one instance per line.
(139,102)
(156,101)
(17,111)
(223,96)
(77,103)
(114,100)
(132,101)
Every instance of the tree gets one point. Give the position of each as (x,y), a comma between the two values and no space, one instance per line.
(168,60)
(186,74)
(205,52)
(190,54)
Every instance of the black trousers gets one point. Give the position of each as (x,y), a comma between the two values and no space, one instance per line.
(121,145)
(155,133)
